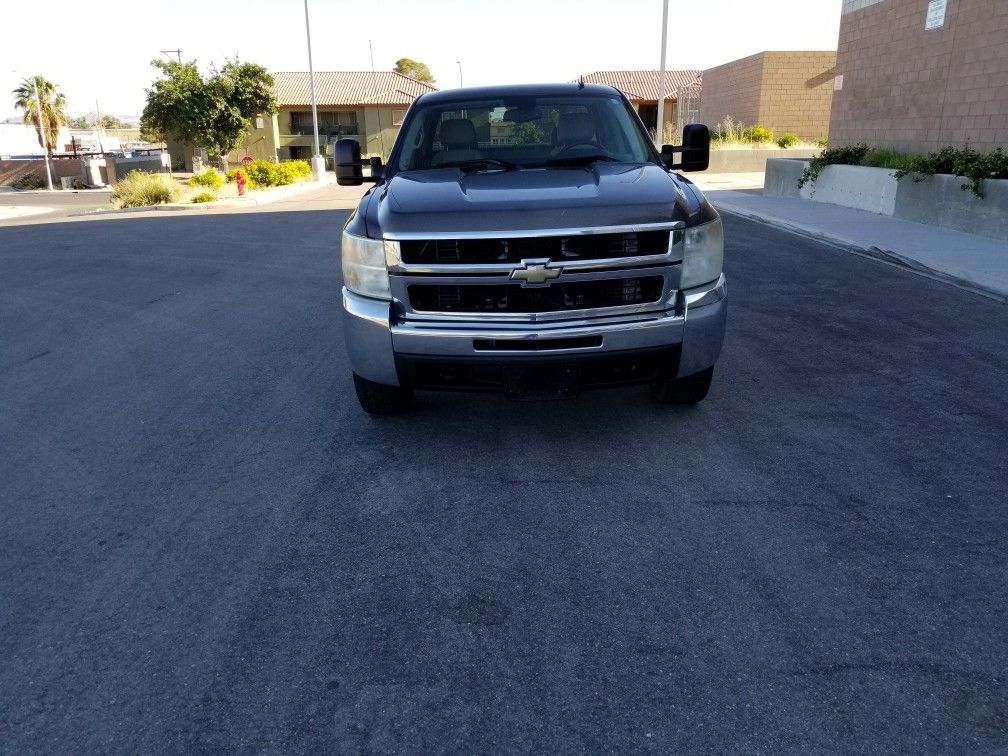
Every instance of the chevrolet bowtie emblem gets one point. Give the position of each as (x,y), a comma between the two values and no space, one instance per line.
(535,272)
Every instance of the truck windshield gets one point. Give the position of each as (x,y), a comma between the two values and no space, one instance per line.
(529,132)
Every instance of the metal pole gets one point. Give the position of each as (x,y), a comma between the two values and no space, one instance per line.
(45,142)
(314,102)
(460,71)
(660,127)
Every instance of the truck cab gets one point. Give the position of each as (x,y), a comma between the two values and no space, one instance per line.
(530,240)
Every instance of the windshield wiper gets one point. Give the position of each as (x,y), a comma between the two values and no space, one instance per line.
(580,160)
(480,163)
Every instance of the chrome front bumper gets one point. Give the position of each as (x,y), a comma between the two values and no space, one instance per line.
(696,324)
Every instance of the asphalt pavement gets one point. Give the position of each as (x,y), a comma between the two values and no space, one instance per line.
(206,546)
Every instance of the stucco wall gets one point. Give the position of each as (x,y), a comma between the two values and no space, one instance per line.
(916,89)
(787,91)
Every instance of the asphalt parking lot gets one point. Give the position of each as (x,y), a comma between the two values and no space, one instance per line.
(206,546)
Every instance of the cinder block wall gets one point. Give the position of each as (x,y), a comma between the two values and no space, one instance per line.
(732,89)
(786,91)
(916,89)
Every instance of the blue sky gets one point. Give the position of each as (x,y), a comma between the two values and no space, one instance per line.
(512,41)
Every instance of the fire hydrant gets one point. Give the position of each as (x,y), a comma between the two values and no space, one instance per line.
(240,181)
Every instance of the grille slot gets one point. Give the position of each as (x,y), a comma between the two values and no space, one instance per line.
(574,295)
(576,247)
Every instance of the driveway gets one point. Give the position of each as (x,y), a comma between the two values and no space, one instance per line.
(206,546)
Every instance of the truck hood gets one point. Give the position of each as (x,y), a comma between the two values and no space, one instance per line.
(605,194)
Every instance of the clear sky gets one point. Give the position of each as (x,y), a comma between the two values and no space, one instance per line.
(101,49)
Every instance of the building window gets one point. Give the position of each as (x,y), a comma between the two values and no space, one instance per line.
(397,117)
(330,122)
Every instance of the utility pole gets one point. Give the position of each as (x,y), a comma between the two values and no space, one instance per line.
(660,126)
(98,128)
(178,53)
(42,133)
(460,72)
(317,161)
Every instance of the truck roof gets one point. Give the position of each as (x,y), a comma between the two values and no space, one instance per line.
(518,90)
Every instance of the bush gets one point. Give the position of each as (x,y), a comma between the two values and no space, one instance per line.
(883,157)
(203,197)
(757,134)
(788,140)
(975,166)
(260,173)
(847,155)
(31,181)
(138,189)
(210,179)
(301,168)
(727,131)
(824,142)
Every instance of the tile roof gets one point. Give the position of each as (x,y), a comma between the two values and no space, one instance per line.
(642,86)
(348,88)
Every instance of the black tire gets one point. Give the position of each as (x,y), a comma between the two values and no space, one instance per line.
(379,399)
(689,390)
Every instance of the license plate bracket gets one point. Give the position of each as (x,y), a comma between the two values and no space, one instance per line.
(538,383)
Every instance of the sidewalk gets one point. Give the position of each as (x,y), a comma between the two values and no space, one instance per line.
(973,262)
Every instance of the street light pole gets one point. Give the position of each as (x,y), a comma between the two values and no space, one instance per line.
(460,71)
(41,126)
(317,161)
(660,126)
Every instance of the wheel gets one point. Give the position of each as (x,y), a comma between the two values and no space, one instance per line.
(379,399)
(689,390)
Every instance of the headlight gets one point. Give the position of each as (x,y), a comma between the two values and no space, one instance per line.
(364,270)
(703,254)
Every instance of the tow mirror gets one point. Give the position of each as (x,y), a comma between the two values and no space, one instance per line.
(348,164)
(695,149)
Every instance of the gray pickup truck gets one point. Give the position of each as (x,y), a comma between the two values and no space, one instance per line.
(530,240)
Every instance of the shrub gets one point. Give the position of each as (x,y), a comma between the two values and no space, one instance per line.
(788,140)
(847,155)
(727,131)
(757,134)
(203,197)
(233,173)
(137,189)
(31,181)
(975,166)
(301,168)
(260,173)
(883,157)
(210,179)
(824,142)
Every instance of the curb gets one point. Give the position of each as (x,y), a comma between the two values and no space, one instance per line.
(874,253)
(267,197)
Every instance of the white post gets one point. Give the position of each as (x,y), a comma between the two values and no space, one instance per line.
(460,71)
(317,161)
(660,129)
(45,145)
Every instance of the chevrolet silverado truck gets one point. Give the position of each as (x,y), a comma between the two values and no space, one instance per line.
(530,240)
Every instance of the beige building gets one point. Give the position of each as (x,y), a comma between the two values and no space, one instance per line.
(785,91)
(917,75)
(682,94)
(366,105)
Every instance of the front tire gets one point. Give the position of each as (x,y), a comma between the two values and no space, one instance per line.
(379,399)
(689,390)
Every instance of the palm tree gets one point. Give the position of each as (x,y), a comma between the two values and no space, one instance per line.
(53,109)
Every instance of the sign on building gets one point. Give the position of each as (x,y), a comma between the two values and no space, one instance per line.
(935,15)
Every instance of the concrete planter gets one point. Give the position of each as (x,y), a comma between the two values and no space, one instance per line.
(751,161)
(938,200)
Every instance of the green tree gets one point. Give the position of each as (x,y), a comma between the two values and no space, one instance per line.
(414,69)
(53,109)
(213,112)
(107,122)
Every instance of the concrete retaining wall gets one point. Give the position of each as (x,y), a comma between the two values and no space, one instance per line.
(751,161)
(12,170)
(938,200)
